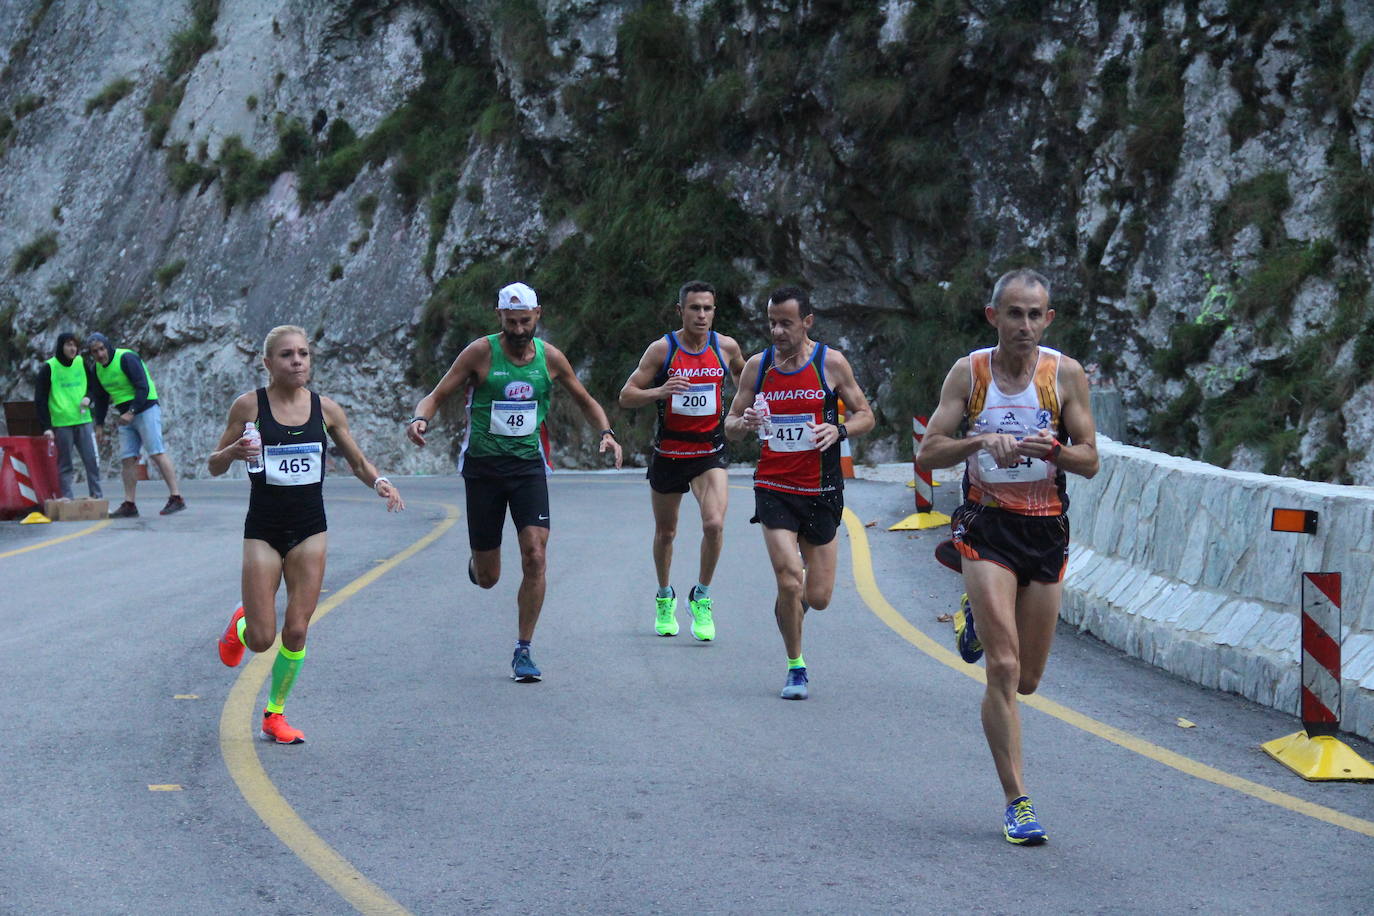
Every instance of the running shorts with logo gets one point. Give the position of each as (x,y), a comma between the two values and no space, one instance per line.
(286,500)
(814,518)
(675,475)
(1034,547)
(493,487)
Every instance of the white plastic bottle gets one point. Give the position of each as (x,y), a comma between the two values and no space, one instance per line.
(765,417)
(250,431)
(985,459)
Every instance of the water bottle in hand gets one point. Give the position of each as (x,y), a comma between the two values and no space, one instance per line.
(250,431)
(765,417)
(985,459)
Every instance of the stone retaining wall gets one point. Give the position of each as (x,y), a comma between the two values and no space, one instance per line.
(1172,561)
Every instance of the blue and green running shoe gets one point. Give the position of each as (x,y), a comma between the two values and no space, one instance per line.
(665,619)
(970,648)
(523,669)
(1020,826)
(796,684)
(703,626)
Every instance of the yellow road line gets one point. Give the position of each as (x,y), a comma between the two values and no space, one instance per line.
(57,540)
(867,586)
(238,746)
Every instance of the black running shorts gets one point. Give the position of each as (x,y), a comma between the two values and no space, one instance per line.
(1034,547)
(814,518)
(488,498)
(675,475)
(281,537)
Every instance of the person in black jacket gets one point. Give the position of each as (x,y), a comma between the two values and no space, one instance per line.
(61,396)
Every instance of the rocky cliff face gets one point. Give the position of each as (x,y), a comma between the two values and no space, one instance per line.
(1195,177)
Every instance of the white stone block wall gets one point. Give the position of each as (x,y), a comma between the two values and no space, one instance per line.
(1172,561)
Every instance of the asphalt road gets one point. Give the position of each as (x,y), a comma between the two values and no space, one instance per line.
(643,775)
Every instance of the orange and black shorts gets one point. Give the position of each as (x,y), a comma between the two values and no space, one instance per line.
(1034,547)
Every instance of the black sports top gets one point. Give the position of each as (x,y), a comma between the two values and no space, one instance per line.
(289,492)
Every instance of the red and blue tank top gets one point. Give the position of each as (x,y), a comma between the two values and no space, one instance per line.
(791,463)
(692,423)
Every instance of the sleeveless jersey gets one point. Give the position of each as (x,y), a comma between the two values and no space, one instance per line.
(692,424)
(117,384)
(1034,486)
(506,411)
(68,388)
(791,463)
(290,490)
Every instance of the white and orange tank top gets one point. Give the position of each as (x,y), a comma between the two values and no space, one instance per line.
(1034,486)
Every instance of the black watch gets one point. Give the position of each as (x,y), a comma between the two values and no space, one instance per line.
(844,433)
(608,432)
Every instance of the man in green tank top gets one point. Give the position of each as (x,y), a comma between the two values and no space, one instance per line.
(61,398)
(505,461)
(122,379)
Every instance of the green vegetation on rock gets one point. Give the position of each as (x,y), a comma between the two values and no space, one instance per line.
(108,97)
(35,254)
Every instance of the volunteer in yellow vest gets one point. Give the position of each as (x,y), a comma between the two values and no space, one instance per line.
(61,395)
(1029,422)
(122,379)
(507,378)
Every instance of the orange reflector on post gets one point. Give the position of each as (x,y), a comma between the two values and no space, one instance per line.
(1299,521)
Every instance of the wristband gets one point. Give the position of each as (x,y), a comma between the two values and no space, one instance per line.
(1055,450)
(383,479)
(424,420)
(608,432)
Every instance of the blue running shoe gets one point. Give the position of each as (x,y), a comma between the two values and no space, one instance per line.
(796,684)
(1020,826)
(523,669)
(970,648)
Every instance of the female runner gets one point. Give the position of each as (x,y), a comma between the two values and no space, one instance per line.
(284,532)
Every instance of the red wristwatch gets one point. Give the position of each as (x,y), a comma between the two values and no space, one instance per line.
(1054,452)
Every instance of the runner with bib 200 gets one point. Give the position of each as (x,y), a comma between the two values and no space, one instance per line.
(284,531)
(798,486)
(684,373)
(1012,531)
(505,461)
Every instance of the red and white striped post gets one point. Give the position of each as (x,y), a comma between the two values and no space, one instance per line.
(1315,753)
(925,515)
(1321,653)
(924,483)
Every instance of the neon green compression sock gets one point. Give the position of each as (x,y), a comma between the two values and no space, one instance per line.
(797,662)
(284,671)
(242,625)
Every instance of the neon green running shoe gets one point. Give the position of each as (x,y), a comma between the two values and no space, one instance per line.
(666,620)
(703,626)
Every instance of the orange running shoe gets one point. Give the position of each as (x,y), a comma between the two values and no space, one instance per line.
(230,646)
(275,726)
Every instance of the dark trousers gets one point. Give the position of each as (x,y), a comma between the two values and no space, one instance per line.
(82,437)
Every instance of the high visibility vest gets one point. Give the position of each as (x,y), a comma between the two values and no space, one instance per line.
(68,388)
(117,384)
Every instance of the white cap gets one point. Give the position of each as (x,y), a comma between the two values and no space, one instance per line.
(517,296)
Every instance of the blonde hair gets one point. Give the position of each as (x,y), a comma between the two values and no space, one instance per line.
(277,334)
